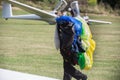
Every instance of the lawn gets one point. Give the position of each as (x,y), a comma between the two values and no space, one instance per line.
(28,46)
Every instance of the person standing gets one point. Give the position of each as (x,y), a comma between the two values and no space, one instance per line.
(69,30)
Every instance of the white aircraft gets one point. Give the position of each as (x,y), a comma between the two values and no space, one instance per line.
(38,14)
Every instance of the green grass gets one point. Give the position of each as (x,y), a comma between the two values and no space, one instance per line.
(28,46)
(106,56)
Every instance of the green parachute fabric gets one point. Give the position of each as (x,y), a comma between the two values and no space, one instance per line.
(85,60)
(81,60)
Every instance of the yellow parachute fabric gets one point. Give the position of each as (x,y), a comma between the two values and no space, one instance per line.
(88,43)
(86,33)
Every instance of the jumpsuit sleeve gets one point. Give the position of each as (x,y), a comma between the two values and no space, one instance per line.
(56,39)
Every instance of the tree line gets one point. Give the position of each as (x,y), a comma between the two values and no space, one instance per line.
(85,4)
(113,3)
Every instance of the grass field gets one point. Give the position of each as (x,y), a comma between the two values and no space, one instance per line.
(28,46)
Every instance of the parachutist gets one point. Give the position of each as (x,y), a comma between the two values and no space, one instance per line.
(69,29)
